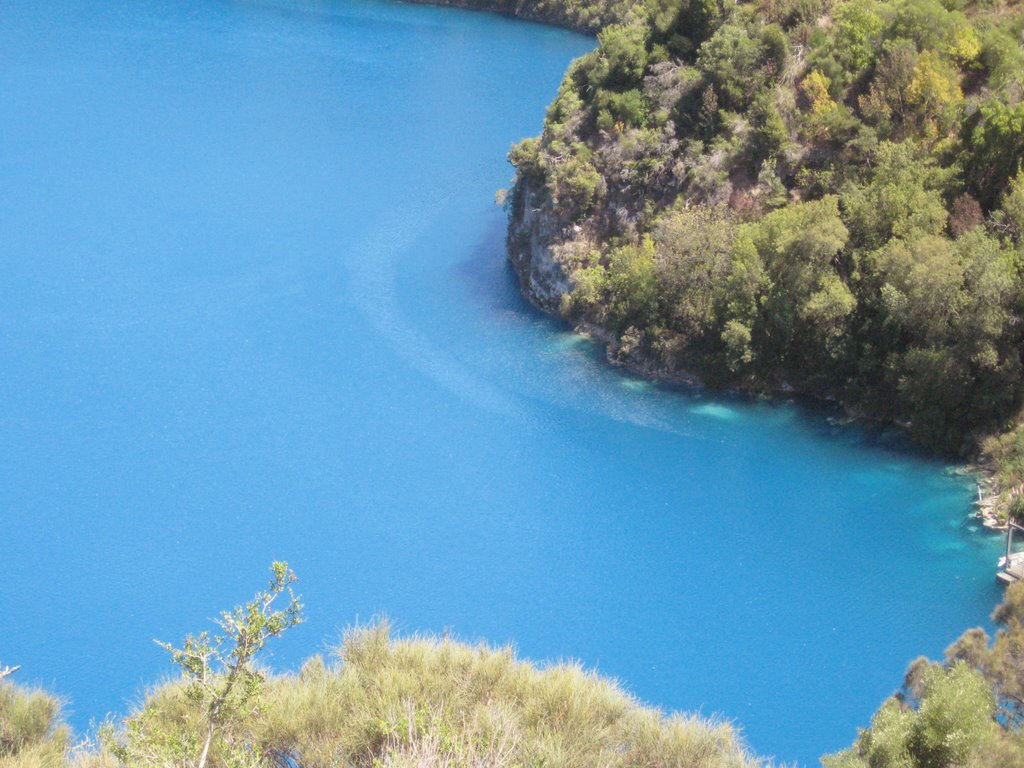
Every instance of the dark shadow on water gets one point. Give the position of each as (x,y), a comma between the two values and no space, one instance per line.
(489,276)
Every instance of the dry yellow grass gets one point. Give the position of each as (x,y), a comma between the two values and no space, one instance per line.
(423,702)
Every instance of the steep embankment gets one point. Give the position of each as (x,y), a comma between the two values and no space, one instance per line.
(811,196)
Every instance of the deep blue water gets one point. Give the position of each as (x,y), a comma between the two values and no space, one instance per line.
(254,305)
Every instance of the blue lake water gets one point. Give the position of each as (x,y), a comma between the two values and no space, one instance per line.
(254,305)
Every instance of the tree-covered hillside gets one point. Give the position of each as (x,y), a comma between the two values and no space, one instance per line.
(822,196)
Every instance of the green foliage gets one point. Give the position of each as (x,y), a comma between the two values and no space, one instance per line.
(996,149)
(736,338)
(857,165)
(885,106)
(1013,207)
(627,109)
(622,56)
(1006,452)
(858,29)
(954,717)
(886,744)
(798,245)
(574,182)
(770,134)
(927,23)
(902,196)
(966,712)
(581,15)
(525,156)
(731,59)
(632,294)
(683,25)
(221,683)
(693,268)
(933,94)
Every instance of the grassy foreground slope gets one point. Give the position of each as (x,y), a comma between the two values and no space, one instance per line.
(822,196)
(392,703)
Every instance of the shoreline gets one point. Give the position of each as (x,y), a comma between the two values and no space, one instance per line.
(518,9)
(985,508)
(537,250)
(529,237)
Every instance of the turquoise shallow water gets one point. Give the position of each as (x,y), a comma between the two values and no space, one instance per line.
(254,305)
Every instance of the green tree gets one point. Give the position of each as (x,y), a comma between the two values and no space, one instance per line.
(885,104)
(901,196)
(798,246)
(967,712)
(954,718)
(996,151)
(622,55)
(922,292)
(925,22)
(633,295)
(858,28)
(682,25)
(934,94)
(731,59)
(1013,207)
(942,723)
(770,134)
(693,261)
(219,669)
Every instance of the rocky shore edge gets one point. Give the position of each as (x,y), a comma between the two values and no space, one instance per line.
(539,248)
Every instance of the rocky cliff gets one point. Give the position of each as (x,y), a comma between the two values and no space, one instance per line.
(534,248)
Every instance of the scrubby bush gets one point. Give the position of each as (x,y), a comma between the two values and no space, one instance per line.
(32,734)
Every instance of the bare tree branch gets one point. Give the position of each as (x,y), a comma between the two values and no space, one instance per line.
(5,671)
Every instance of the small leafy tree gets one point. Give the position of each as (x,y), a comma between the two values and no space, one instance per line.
(222,681)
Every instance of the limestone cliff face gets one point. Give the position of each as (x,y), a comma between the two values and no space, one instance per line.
(534,247)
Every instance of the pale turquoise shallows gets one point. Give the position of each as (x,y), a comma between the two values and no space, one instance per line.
(254,305)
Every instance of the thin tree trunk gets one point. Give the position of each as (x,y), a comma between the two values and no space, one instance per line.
(206,747)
